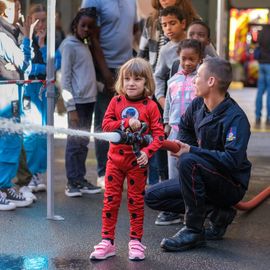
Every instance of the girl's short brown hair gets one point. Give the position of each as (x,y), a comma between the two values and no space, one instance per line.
(137,67)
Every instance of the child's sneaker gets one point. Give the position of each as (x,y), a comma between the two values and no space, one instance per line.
(136,250)
(36,183)
(103,250)
(5,204)
(27,193)
(17,198)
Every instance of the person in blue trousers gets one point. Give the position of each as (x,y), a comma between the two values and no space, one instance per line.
(14,61)
(264,75)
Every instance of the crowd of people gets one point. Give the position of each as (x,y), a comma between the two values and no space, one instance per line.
(175,88)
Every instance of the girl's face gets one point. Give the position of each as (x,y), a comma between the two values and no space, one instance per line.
(189,59)
(85,27)
(167,3)
(133,86)
(199,32)
(41,26)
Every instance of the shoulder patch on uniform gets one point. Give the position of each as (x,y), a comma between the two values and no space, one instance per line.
(231,134)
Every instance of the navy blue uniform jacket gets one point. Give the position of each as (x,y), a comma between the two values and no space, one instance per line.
(220,137)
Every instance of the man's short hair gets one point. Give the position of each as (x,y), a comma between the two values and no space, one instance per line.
(220,69)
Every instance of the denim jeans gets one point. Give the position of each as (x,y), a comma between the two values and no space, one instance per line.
(153,176)
(263,86)
(77,147)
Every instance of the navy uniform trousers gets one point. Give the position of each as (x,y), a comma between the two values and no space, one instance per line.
(199,186)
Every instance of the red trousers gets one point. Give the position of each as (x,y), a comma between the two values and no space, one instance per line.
(121,167)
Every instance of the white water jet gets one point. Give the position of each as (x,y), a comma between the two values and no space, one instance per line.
(10,126)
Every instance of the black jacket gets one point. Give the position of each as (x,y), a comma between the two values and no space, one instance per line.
(220,137)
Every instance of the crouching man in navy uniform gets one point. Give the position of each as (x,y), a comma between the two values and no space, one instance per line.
(213,166)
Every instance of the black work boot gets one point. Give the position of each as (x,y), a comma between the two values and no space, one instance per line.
(220,219)
(186,238)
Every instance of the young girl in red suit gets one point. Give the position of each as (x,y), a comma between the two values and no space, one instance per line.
(127,111)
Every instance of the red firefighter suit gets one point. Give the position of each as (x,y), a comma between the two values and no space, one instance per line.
(122,162)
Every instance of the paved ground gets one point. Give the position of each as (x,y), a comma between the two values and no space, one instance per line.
(29,241)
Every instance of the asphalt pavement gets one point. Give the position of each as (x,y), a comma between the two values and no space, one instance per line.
(28,240)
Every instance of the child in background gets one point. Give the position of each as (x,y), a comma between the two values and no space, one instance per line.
(34,100)
(127,111)
(79,93)
(173,25)
(180,92)
(200,31)
(151,41)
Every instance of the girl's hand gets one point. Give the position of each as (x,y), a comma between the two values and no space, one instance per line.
(143,159)
(184,148)
(134,124)
(32,26)
(27,27)
(41,38)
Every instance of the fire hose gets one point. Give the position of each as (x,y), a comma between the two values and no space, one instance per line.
(137,140)
(244,206)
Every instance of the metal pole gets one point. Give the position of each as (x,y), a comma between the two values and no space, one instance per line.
(221,26)
(51,5)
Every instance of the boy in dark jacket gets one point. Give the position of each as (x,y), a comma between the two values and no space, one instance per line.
(213,165)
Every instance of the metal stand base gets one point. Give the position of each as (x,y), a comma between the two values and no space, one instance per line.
(56,218)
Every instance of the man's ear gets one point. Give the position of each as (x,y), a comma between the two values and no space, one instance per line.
(211,81)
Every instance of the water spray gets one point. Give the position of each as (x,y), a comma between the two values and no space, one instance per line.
(9,126)
(136,139)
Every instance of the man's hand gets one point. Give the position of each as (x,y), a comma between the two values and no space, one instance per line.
(184,148)
(143,159)
(73,119)
(134,124)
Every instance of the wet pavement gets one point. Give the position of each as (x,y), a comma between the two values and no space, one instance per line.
(30,241)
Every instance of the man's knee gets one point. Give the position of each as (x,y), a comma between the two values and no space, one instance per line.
(186,161)
(151,200)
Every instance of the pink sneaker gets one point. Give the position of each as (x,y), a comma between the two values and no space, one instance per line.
(136,250)
(103,250)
